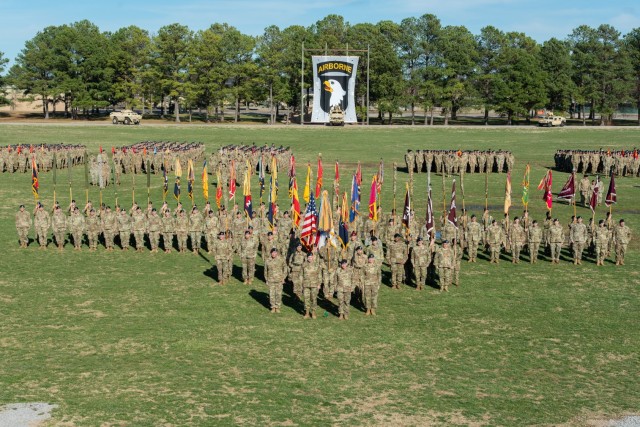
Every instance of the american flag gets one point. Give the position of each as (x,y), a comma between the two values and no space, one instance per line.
(310,224)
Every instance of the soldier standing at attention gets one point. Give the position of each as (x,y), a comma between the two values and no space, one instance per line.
(275,272)
(109,227)
(457,261)
(358,262)
(195,229)
(223,254)
(41,224)
(139,227)
(556,239)
(601,239)
(378,252)
(182,227)
(329,264)
(534,237)
(344,278)
(76,227)
(473,238)
(495,239)
(585,186)
(621,236)
(420,260)
(517,237)
(124,227)
(371,272)
(59,225)
(579,238)
(444,264)
(93,228)
(155,226)
(168,225)
(211,227)
(311,280)
(398,255)
(296,261)
(23,224)
(248,253)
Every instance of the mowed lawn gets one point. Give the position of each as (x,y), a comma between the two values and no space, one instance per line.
(141,339)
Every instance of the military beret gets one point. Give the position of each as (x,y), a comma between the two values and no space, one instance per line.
(353,233)
(371,256)
(310,254)
(374,239)
(273,250)
(419,239)
(298,245)
(445,241)
(221,233)
(270,233)
(22,206)
(359,248)
(397,235)
(344,261)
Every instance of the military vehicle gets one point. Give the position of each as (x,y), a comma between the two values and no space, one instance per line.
(125,116)
(551,120)
(336,116)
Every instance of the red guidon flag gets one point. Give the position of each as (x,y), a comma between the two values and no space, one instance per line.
(545,184)
(611,198)
(568,191)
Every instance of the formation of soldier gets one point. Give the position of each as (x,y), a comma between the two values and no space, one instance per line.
(456,161)
(156,155)
(619,162)
(18,158)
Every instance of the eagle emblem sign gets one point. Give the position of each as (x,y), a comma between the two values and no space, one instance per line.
(334,83)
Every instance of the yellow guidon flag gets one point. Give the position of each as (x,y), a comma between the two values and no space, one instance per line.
(205,182)
(507,194)
(306,194)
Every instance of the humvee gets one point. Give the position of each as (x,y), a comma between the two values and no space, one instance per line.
(125,116)
(550,120)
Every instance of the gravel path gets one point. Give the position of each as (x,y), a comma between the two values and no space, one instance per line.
(25,414)
(630,421)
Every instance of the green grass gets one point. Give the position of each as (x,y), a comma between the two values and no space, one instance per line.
(143,339)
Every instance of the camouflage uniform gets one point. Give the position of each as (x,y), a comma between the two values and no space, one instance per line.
(168,227)
(602,236)
(473,238)
(23,224)
(344,280)
(224,255)
(495,239)
(275,273)
(76,227)
(358,262)
(534,238)
(93,229)
(41,224)
(139,227)
(371,272)
(195,229)
(444,262)
(182,228)
(296,261)
(578,238)
(154,228)
(329,264)
(397,258)
(556,239)
(420,260)
(517,236)
(211,228)
(311,275)
(124,228)
(109,228)
(622,236)
(248,253)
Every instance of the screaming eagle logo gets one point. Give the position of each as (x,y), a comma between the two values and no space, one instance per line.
(334,77)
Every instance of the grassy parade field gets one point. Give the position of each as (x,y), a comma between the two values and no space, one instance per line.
(142,339)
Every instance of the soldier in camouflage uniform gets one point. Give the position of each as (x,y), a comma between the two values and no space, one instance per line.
(154,227)
(296,261)
(495,240)
(601,238)
(556,239)
(124,228)
(59,226)
(329,259)
(457,261)
(168,227)
(139,228)
(371,272)
(444,262)
(41,223)
(76,228)
(195,229)
(398,255)
(211,229)
(224,255)
(621,236)
(473,238)
(311,276)
(109,228)
(376,249)
(248,253)
(238,227)
(420,260)
(534,236)
(344,279)
(579,239)
(275,273)
(182,230)
(23,224)
(93,229)
(517,236)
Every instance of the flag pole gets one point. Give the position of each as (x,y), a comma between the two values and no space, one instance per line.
(444,198)
(574,192)
(148,165)
(69,175)
(462,188)
(395,180)
(133,187)
(486,188)
(55,179)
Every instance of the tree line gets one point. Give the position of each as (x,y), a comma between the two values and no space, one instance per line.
(417,63)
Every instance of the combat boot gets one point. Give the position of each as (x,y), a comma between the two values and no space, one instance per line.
(306,314)
(373,312)
(273,310)
(368,313)
(313,315)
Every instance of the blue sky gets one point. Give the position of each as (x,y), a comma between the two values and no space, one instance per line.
(20,20)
